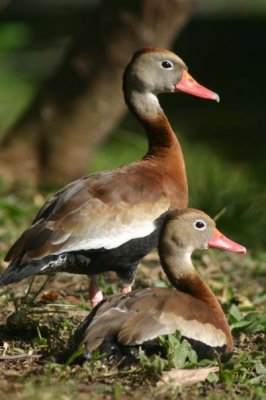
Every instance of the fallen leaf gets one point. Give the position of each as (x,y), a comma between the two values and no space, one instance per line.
(50,295)
(73,300)
(185,377)
(5,264)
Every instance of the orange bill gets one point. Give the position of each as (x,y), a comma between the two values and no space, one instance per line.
(220,241)
(187,84)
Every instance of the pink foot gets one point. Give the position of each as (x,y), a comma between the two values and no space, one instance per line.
(95,294)
(126,289)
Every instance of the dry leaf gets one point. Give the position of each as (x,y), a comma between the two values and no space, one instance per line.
(185,377)
(73,300)
(4,264)
(50,295)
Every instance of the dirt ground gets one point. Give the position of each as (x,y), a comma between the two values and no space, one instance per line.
(37,326)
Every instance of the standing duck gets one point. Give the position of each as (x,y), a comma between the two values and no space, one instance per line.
(110,220)
(192,308)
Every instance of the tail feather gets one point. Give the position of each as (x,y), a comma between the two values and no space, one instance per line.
(17,270)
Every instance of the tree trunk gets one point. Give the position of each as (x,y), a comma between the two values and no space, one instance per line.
(76,109)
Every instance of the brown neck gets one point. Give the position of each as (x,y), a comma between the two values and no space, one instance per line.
(163,145)
(187,280)
(161,138)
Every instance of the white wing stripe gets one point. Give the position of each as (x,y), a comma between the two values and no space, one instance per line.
(114,238)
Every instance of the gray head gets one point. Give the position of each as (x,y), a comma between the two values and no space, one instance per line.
(188,230)
(154,70)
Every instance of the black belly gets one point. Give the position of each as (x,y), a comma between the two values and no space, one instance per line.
(123,260)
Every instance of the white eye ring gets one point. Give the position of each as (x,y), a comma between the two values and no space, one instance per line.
(200,225)
(166,64)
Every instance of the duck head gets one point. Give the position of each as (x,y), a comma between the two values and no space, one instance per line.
(191,229)
(160,71)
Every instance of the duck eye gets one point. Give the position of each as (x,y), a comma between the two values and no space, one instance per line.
(200,225)
(167,64)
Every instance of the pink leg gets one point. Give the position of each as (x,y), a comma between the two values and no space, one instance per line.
(95,294)
(126,289)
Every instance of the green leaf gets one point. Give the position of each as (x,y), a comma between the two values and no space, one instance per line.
(238,326)
(260,368)
(183,352)
(235,313)
(255,381)
(257,323)
(213,377)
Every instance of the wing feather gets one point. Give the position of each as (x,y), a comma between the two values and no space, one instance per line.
(148,313)
(103,210)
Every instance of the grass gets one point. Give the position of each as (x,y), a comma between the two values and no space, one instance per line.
(45,320)
(44,328)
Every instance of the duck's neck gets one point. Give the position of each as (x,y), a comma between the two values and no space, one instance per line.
(181,273)
(163,146)
(162,141)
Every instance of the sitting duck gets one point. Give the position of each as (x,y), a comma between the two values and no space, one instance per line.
(191,307)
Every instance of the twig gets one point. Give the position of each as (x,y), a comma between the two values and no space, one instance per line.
(220,213)
(29,288)
(49,279)
(19,356)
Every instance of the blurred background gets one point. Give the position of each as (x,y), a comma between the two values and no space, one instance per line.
(62,113)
